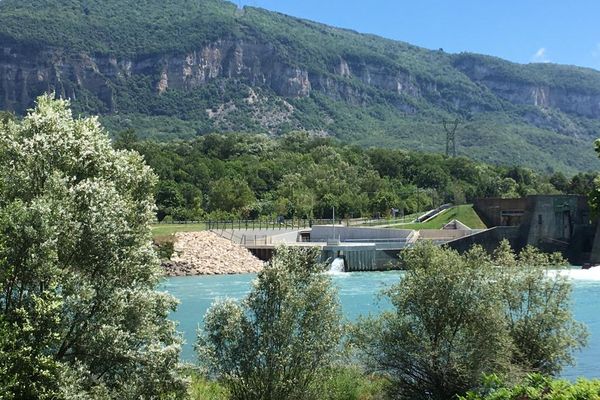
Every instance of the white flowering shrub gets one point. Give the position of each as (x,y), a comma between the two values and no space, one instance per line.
(78,272)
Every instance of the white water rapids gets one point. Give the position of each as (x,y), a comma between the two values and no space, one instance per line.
(337,266)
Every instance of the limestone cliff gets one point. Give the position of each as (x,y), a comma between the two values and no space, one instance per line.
(25,73)
(572,99)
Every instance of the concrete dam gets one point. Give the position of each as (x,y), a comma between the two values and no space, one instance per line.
(553,223)
(360,248)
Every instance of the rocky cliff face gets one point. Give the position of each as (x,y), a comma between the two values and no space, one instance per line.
(25,74)
(577,101)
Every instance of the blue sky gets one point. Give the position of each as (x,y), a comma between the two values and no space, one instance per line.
(559,31)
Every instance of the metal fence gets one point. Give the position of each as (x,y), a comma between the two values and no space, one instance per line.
(263,224)
(287,224)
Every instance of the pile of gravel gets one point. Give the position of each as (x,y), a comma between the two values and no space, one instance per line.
(206,253)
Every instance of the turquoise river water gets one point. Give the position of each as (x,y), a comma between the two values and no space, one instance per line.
(358,293)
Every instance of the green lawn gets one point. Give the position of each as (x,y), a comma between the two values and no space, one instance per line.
(161,230)
(464,214)
(389,221)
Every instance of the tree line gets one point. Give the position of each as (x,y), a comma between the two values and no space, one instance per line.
(302,176)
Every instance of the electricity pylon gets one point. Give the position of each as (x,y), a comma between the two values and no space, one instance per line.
(450,128)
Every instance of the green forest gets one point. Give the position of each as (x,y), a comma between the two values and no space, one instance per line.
(298,175)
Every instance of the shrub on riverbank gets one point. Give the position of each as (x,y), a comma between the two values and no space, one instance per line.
(352,383)
(457,317)
(80,316)
(536,387)
(281,340)
(205,389)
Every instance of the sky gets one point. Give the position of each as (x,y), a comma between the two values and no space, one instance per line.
(558,31)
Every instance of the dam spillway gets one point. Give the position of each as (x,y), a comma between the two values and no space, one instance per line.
(362,249)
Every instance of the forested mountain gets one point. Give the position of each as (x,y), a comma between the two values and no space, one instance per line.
(182,68)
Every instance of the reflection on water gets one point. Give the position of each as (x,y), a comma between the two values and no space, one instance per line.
(359,292)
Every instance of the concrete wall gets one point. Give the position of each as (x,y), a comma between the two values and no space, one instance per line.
(581,249)
(553,220)
(488,239)
(322,233)
(595,254)
(444,234)
(490,210)
(550,222)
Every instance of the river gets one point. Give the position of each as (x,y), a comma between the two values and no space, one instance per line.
(359,296)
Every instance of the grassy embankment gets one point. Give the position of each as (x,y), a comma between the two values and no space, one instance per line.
(463,213)
(162,231)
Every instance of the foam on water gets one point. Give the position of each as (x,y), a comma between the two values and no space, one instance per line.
(337,266)
(589,275)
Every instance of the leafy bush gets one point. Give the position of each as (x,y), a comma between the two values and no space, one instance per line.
(77,269)
(280,340)
(457,317)
(165,249)
(536,387)
(204,389)
(351,383)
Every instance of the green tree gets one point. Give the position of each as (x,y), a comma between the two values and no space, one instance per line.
(457,317)
(538,310)
(230,195)
(294,198)
(446,328)
(125,139)
(384,201)
(168,199)
(508,188)
(279,341)
(560,182)
(78,276)
(6,116)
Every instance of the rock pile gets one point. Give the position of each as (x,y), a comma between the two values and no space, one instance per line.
(206,253)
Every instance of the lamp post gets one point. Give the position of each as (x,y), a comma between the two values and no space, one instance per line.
(333,222)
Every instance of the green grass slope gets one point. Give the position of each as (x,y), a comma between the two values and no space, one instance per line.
(463,213)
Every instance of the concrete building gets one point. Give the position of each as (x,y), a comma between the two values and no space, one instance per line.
(550,222)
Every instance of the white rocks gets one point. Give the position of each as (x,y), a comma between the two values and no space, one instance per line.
(205,253)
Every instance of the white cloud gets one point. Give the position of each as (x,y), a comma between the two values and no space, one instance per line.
(540,56)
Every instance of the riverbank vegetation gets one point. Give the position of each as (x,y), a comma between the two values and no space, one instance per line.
(535,387)
(281,340)
(455,319)
(350,383)
(301,176)
(80,316)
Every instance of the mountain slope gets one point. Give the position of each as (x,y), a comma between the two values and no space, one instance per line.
(178,68)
